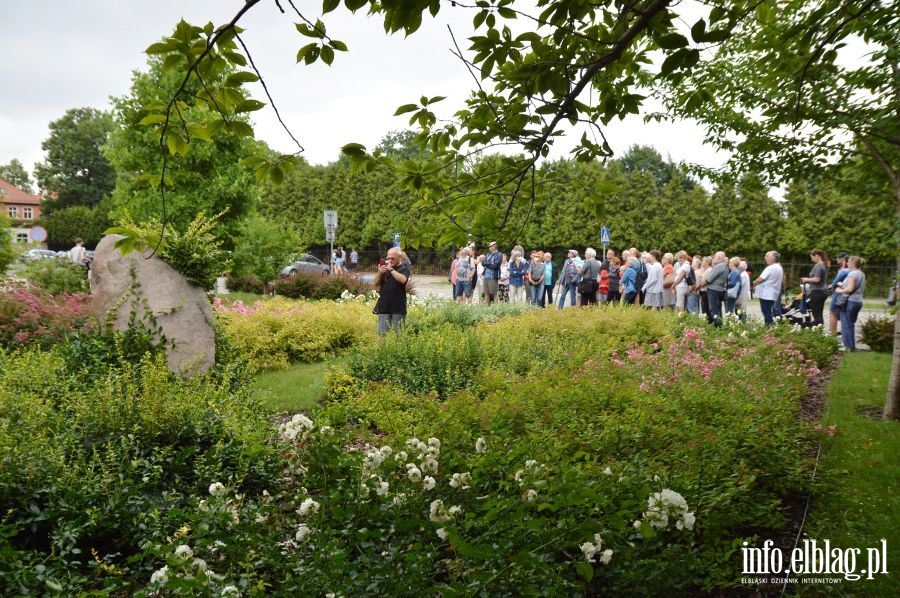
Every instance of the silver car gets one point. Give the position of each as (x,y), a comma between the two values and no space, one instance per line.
(33,255)
(308,265)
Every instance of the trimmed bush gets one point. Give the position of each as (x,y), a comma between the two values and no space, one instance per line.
(320,287)
(878,334)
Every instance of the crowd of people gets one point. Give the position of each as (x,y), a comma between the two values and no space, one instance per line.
(711,285)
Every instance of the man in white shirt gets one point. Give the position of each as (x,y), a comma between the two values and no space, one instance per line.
(768,286)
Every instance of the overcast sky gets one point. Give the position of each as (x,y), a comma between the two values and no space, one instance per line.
(59,55)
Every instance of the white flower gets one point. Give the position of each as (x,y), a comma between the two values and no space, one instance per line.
(428,483)
(519,475)
(687,521)
(434,442)
(590,550)
(374,458)
(442,533)
(429,463)
(480,445)
(387,451)
(413,472)
(183,551)
(399,499)
(607,471)
(160,576)
(531,464)
(299,426)
(200,564)
(662,505)
(637,524)
(381,489)
(436,511)
(455,511)
(460,480)
(326,431)
(230,591)
(303,532)
(217,489)
(401,457)
(308,506)
(531,495)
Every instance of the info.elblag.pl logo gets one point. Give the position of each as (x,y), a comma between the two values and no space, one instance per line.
(814,558)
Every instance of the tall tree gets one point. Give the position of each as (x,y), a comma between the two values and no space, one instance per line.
(210,178)
(15,173)
(800,87)
(75,169)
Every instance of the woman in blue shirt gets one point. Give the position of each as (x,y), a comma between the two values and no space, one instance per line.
(628,282)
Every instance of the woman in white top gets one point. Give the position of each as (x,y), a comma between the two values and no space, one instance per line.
(768,286)
(743,300)
(653,286)
(681,285)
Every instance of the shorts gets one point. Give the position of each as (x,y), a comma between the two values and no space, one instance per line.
(463,287)
(491,285)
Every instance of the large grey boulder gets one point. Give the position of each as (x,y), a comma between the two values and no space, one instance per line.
(162,300)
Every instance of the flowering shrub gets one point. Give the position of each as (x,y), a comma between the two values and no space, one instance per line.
(622,449)
(276,333)
(28,316)
(56,277)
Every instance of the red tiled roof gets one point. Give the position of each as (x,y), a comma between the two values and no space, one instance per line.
(10,194)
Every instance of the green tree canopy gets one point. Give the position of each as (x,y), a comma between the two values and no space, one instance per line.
(210,178)
(75,168)
(15,173)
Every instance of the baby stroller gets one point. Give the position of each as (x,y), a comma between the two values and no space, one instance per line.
(796,311)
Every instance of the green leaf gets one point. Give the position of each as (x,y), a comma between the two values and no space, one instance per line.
(160,48)
(354,5)
(354,149)
(240,128)
(406,108)
(199,131)
(249,106)
(329,5)
(308,53)
(698,31)
(239,78)
(152,119)
(585,570)
(672,41)
(327,55)
(338,45)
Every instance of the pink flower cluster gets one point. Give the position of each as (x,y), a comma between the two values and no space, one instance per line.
(237,307)
(28,316)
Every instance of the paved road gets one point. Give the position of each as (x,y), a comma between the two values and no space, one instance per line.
(438,285)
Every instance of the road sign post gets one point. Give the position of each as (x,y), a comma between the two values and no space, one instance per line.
(396,239)
(331,224)
(604,239)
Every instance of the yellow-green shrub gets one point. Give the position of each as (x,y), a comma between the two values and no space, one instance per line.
(276,333)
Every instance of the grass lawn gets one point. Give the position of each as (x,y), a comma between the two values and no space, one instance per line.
(295,389)
(858,500)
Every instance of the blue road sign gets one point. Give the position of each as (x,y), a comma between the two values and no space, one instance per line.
(604,236)
(396,239)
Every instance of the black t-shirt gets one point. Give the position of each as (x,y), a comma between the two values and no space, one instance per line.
(393,294)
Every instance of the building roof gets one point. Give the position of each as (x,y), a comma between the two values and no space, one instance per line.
(10,194)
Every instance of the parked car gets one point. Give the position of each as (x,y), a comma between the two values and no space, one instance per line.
(307,264)
(33,255)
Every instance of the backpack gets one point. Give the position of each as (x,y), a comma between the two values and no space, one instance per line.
(464,269)
(690,278)
(641,275)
